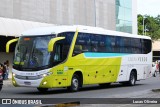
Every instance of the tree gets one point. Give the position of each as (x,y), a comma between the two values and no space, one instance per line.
(152,26)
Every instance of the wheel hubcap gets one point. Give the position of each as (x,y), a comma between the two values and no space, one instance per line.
(75,83)
(133,80)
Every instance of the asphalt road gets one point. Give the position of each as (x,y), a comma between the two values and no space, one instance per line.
(142,89)
(93,91)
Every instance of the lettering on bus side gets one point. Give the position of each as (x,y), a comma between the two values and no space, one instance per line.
(141,59)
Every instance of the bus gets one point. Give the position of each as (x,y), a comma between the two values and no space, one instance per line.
(74,56)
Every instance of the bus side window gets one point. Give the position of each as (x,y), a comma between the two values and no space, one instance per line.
(109,48)
(94,42)
(82,44)
(77,50)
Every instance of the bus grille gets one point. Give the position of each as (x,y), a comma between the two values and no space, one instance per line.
(28,77)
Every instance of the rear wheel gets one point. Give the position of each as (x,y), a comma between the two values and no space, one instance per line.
(42,89)
(75,84)
(132,79)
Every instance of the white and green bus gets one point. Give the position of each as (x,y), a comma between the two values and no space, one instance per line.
(73,56)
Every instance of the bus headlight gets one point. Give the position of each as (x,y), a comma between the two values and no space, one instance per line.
(44,83)
(44,75)
(14,74)
(47,74)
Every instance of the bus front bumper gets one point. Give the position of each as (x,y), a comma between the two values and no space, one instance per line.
(47,82)
(26,83)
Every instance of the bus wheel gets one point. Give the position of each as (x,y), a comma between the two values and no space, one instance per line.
(105,85)
(42,89)
(132,79)
(75,83)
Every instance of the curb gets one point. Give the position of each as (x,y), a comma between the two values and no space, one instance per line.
(7,82)
(156,90)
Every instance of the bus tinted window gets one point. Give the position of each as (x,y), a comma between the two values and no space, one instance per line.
(111,44)
(98,43)
(83,44)
(102,44)
(65,44)
(127,45)
(146,46)
(136,46)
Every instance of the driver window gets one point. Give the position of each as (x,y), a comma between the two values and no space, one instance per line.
(57,55)
(82,44)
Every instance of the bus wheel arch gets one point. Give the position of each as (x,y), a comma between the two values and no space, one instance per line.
(76,81)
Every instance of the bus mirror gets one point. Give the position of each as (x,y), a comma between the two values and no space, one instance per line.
(9,43)
(52,42)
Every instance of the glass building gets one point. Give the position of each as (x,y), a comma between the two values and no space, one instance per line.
(124,15)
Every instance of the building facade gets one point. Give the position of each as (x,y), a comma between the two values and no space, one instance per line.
(119,15)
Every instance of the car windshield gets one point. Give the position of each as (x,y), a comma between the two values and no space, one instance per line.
(32,52)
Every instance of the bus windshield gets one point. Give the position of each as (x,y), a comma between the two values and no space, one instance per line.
(32,52)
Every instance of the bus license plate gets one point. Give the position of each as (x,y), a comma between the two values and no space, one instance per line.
(27,83)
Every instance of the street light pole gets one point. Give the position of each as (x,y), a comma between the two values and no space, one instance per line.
(143,25)
(145,29)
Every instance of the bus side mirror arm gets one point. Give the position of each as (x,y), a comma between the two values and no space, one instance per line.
(52,42)
(9,43)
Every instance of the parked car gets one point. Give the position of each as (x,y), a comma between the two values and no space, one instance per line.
(155,69)
(1,80)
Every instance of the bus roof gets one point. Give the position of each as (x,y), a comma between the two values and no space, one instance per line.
(85,29)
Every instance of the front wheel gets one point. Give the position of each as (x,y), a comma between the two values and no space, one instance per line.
(75,84)
(42,89)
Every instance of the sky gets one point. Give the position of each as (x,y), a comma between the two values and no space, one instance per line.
(149,7)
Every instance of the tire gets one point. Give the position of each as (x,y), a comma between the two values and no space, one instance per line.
(42,89)
(132,79)
(75,83)
(105,85)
